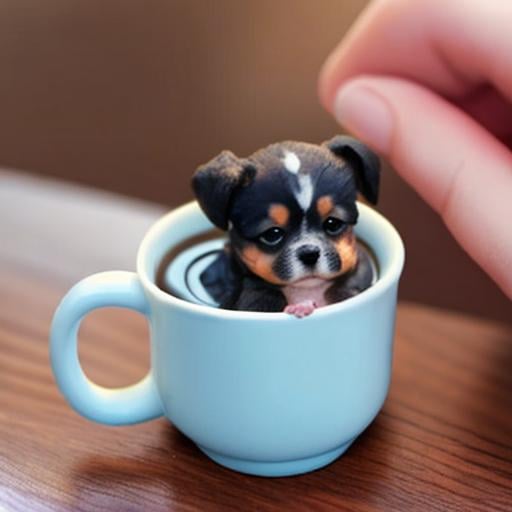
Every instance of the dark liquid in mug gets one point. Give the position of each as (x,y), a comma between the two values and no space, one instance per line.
(162,275)
(168,259)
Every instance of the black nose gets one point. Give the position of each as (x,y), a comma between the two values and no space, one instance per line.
(308,254)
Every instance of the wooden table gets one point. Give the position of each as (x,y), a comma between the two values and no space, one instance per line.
(443,441)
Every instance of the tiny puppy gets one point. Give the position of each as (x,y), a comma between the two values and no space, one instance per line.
(289,210)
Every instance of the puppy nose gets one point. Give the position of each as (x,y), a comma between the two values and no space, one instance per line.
(308,254)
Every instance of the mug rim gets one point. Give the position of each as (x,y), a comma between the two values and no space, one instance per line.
(386,278)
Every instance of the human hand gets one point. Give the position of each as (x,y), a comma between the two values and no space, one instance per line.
(428,84)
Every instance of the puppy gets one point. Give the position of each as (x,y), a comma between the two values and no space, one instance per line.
(289,210)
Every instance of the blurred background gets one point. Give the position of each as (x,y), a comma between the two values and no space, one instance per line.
(131,96)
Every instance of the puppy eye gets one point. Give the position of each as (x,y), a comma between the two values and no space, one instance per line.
(333,226)
(272,236)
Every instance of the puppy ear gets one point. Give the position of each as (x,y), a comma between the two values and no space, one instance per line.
(364,162)
(215,182)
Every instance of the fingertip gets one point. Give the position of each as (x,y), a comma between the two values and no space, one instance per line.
(361,110)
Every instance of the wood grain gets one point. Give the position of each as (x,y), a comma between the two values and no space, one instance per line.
(443,441)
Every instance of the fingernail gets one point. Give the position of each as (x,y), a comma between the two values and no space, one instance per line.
(366,114)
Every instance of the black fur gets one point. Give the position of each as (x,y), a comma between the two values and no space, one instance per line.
(362,160)
(215,182)
(233,287)
(350,284)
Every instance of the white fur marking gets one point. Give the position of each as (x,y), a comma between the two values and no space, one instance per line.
(305,194)
(291,162)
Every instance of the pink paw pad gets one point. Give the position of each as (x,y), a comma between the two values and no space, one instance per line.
(301,309)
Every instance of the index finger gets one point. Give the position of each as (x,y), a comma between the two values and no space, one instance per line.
(450,47)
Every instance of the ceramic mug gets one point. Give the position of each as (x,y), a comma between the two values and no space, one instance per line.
(261,393)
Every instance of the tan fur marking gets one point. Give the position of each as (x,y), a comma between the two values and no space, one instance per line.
(324,205)
(347,250)
(279,214)
(259,263)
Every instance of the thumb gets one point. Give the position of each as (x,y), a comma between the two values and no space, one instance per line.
(458,167)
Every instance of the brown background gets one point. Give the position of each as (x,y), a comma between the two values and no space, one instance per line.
(131,96)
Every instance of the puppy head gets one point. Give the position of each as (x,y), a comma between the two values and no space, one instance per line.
(290,207)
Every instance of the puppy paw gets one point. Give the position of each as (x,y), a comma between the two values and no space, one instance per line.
(301,309)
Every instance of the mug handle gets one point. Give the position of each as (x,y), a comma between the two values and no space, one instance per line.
(120,406)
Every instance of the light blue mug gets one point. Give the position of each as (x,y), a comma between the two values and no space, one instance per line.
(261,393)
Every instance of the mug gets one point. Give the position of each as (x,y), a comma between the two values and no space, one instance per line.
(261,393)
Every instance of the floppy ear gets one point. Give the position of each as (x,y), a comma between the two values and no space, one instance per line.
(364,162)
(215,182)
